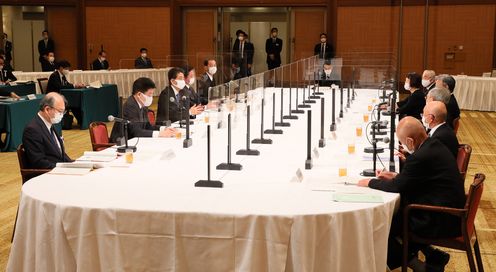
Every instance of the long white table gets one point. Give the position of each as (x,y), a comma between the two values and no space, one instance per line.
(149,216)
(123,78)
(476,93)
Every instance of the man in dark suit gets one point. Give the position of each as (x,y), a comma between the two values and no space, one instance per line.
(58,79)
(143,62)
(449,83)
(430,176)
(171,105)
(428,81)
(273,48)
(434,119)
(243,51)
(44,147)
(207,80)
(135,110)
(189,90)
(7,47)
(324,49)
(329,76)
(45,45)
(6,75)
(101,62)
(48,62)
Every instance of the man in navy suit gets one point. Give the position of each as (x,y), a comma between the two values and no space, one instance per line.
(434,119)
(44,146)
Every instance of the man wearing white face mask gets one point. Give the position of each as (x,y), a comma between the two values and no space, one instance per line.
(430,176)
(434,120)
(143,61)
(324,49)
(207,80)
(189,90)
(101,63)
(428,80)
(135,109)
(48,62)
(328,75)
(43,145)
(171,106)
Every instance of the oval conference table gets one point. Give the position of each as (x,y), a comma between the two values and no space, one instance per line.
(273,215)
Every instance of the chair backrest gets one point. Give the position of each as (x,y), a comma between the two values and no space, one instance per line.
(21,157)
(151,117)
(463,158)
(43,83)
(456,125)
(473,200)
(493,74)
(98,134)
(486,74)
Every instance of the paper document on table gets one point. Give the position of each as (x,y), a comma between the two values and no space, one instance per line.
(96,84)
(70,171)
(97,156)
(357,198)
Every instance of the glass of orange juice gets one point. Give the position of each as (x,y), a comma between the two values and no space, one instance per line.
(359,131)
(129,156)
(206,118)
(342,170)
(365,117)
(351,148)
(374,100)
(178,134)
(369,107)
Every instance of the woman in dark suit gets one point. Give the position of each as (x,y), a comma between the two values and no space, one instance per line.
(414,104)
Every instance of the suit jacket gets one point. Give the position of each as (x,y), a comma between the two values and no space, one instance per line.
(46,66)
(55,83)
(169,106)
(6,74)
(140,124)
(273,47)
(428,88)
(412,105)
(100,65)
(8,51)
(329,51)
(328,80)
(42,151)
(44,49)
(203,85)
(141,63)
(446,135)
(453,110)
(248,52)
(430,176)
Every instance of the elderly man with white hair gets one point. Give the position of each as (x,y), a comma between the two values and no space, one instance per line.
(428,80)
(449,82)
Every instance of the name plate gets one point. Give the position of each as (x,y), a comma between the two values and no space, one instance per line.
(31,96)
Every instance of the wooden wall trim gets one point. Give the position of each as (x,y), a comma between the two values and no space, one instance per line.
(332,21)
(372,3)
(128,3)
(39,3)
(82,44)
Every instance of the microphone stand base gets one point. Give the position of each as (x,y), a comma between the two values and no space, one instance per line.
(282,124)
(122,149)
(290,117)
(187,142)
(368,173)
(318,93)
(379,132)
(341,114)
(304,106)
(371,150)
(308,164)
(209,183)
(248,152)
(261,141)
(333,127)
(311,101)
(229,166)
(273,131)
(314,96)
(298,111)
(386,113)
(322,142)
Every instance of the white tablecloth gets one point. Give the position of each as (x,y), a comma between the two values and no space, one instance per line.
(150,217)
(476,93)
(123,78)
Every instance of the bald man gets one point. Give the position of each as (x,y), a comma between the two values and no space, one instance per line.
(434,120)
(430,176)
(428,80)
(44,147)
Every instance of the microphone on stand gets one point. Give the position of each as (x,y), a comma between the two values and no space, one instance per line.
(188,141)
(122,149)
(229,165)
(208,182)
(374,125)
(371,172)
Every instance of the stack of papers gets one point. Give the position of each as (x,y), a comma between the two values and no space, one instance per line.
(357,198)
(74,168)
(92,156)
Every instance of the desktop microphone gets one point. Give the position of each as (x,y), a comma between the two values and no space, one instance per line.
(112,118)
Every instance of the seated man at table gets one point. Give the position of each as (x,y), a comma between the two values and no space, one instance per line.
(449,83)
(143,61)
(430,176)
(329,75)
(434,119)
(44,147)
(48,62)
(135,110)
(58,79)
(207,80)
(6,75)
(171,105)
(191,84)
(101,63)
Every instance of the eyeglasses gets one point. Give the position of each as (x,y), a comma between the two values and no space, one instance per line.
(60,111)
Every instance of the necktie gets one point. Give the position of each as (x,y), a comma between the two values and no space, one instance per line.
(323,50)
(1,76)
(55,139)
(64,81)
(242,45)
(429,132)
(177,98)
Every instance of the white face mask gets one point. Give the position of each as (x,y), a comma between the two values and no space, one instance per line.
(425,82)
(424,122)
(148,100)
(57,118)
(241,38)
(328,72)
(180,83)
(407,86)
(405,147)
(51,59)
(103,59)
(143,55)
(191,81)
(212,70)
